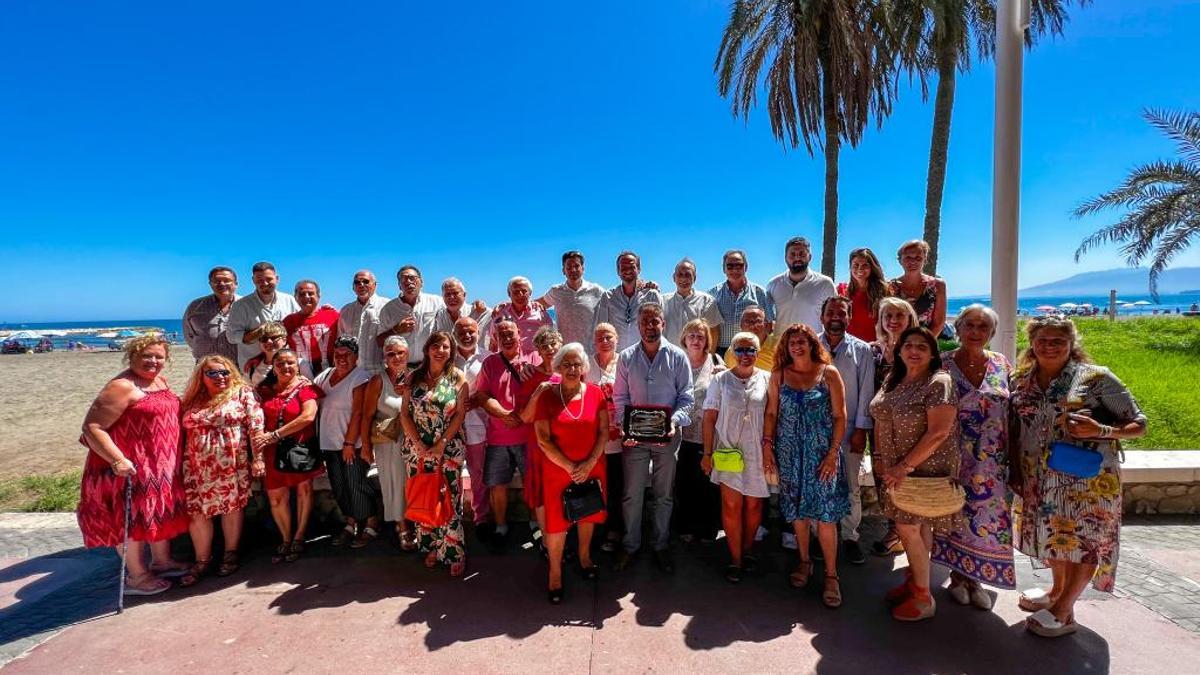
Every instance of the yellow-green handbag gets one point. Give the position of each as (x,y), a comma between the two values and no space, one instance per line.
(729,460)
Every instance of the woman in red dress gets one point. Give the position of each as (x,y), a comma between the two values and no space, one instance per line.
(866,288)
(293,401)
(572,430)
(132,433)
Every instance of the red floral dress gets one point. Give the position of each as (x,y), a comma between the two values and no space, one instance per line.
(216,458)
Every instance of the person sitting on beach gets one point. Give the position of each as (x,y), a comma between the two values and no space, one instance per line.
(736,294)
(206,318)
(754,320)
(574,300)
(411,315)
(926,293)
(249,313)
(618,305)
(132,435)
(220,416)
(529,317)
(313,330)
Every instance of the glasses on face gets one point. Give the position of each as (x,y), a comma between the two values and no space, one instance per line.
(362,282)
(266,338)
(745,351)
(215,373)
(734,265)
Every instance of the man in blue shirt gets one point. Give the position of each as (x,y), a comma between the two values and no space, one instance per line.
(736,294)
(652,372)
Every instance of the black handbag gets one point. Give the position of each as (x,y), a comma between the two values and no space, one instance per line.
(292,456)
(581,500)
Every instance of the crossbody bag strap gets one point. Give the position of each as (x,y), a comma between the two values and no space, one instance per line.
(510,368)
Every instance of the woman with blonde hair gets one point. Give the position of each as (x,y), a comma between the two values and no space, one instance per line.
(132,435)
(220,416)
(603,374)
(895,317)
(697,499)
(1068,514)
(925,292)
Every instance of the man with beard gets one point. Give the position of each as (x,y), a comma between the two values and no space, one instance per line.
(619,304)
(799,292)
(360,318)
(313,330)
(468,357)
(248,313)
(736,294)
(574,301)
(854,362)
(205,318)
(651,372)
(411,315)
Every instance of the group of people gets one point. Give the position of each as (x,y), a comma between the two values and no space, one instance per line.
(754,393)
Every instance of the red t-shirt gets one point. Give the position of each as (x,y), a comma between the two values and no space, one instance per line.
(574,437)
(862,320)
(498,382)
(312,336)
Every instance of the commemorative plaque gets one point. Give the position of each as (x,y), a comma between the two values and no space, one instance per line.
(648,423)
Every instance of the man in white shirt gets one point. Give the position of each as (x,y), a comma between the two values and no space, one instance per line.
(248,313)
(799,292)
(454,294)
(574,301)
(468,357)
(686,304)
(619,305)
(411,315)
(360,318)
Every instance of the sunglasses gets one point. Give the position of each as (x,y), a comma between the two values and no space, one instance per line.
(215,373)
(362,282)
(745,351)
(266,338)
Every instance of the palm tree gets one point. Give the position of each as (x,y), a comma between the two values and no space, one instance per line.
(936,37)
(1162,201)
(827,72)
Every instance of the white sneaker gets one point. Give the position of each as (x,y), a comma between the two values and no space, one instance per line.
(760,534)
(789,540)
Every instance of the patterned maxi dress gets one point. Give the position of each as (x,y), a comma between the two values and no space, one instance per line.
(148,434)
(1059,516)
(432,409)
(982,549)
(803,435)
(216,458)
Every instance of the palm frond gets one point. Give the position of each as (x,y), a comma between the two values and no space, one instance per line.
(1175,242)
(1181,127)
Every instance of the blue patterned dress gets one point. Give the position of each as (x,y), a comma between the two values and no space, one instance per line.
(803,435)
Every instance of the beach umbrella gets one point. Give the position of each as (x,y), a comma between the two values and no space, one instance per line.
(1143,302)
(25,335)
(127,333)
(1046,308)
(108,334)
(1068,305)
(54,333)
(1128,305)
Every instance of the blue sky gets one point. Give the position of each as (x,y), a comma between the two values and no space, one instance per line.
(144,142)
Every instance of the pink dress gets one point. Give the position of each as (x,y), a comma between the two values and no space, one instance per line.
(216,458)
(148,434)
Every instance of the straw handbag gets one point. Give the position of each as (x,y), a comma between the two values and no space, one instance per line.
(929,497)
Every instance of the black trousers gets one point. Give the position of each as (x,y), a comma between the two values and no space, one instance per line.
(697,499)
(615,473)
(356,497)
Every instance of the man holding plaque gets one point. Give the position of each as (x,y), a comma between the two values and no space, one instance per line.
(653,398)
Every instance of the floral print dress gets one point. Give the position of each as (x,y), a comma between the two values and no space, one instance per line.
(1060,516)
(216,458)
(432,408)
(982,549)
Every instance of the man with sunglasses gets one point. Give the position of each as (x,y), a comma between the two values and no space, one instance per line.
(736,294)
(360,319)
(754,320)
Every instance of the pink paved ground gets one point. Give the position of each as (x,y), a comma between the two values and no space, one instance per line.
(370,614)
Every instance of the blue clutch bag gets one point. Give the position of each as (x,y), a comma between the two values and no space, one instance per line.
(1074,460)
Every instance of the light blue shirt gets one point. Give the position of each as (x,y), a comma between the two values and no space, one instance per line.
(665,381)
(733,304)
(856,365)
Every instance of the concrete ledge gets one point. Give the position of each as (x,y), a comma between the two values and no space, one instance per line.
(1161,466)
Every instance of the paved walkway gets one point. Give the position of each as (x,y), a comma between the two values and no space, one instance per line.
(375,610)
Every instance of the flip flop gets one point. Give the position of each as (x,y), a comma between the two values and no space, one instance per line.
(1044,623)
(157,586)
(1034,599)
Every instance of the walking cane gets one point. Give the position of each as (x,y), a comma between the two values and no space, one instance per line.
(125,543)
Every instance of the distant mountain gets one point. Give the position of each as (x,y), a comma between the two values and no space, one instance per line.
(1127,280)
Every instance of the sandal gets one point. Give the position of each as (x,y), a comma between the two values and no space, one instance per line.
(918,607)
(458,569)
(281,553)
(294,550)
(154,587)
(365,537)
(749,564)
(1044,623)
(431,560)
(344,537)
(408,540)
(170,571)
(902,592)
(1034,599)
(832,597)
(198,569)
(799,577)
(589,573)
(733,574)
(229,564)
(889,545)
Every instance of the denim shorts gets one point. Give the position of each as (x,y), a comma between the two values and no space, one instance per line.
(500,462)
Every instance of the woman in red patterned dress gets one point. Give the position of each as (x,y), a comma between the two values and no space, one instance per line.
(220,416)
(289,410)
(132,434)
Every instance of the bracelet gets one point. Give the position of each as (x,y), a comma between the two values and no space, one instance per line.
(257,459)
(1106,431)
(275,435)
(115,462)
(766,440)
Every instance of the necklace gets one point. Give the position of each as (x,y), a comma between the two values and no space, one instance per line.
(567,408)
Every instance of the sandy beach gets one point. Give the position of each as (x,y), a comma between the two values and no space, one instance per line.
(43,398)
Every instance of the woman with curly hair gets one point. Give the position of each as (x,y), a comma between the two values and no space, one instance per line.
(1070,521)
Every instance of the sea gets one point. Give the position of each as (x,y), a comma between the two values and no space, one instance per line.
(1026,305)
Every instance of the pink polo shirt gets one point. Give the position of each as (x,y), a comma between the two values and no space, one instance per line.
(528,323)
(498,382)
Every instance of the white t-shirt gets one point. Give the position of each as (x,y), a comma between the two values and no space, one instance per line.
(575,309)
(425,312)
(249,312)
(362,321)
(476,420)
(337,407)
(679,310)
(799,302)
